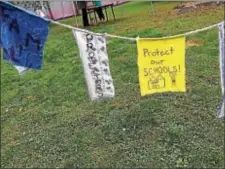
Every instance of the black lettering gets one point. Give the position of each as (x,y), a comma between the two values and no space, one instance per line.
(108,82)
(171,50)
(93,60)
(102,49)
(165,69)
(91,54)
(105,62)
(153,53)
(179,67)
(101,40)
(90,66)
(99,90)
(20,50)
(157,52)
(106,71)
(162,53)
(145,72)
(150,70)
(90,46)
(14,25)
(145,52)
(153,62)
(89,37)
(12,54)
(98,81)
(98,84)
(95,72)
(110,89)
(159,70)
(95,75)
(174,69)
(157,62)
(29,37)
(2,10)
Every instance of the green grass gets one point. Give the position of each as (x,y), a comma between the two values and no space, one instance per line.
(48,121)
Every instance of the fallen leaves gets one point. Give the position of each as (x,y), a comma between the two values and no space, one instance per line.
(191,43)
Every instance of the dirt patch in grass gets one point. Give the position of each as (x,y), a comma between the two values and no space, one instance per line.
(191,43)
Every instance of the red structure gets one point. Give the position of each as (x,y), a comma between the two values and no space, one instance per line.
(63,9)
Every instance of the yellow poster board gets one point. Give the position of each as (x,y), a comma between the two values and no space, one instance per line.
(161,65)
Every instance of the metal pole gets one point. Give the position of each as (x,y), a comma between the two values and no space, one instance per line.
(75,13)
(43,8)
(49,10)
(153,9)
(62,9)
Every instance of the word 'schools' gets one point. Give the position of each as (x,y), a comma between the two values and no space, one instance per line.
(161,65)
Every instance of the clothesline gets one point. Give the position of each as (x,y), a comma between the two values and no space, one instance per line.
(134,39)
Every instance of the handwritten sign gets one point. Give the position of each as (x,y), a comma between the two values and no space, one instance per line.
(93,53)
(222,67)
(161,65)
(23,35)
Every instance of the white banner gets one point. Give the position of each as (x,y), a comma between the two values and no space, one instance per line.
(222,67)
(93,53)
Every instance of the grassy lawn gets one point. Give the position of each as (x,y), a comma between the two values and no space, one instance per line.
(48,121)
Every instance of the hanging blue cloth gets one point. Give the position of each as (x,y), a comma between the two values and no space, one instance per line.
(22,36)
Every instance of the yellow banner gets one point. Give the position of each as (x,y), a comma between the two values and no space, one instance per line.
(161,65)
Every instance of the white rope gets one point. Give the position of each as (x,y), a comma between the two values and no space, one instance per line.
(188,33)
(119,37)
(71,27)
(134,39)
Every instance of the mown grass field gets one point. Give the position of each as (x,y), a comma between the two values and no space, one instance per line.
(48,121)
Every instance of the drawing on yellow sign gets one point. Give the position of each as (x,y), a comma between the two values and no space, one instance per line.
(173,78)
(156,83)
(161,65)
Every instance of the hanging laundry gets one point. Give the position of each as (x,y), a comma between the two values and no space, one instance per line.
(222,67)
(161,65)
(93,53)
(22,37)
